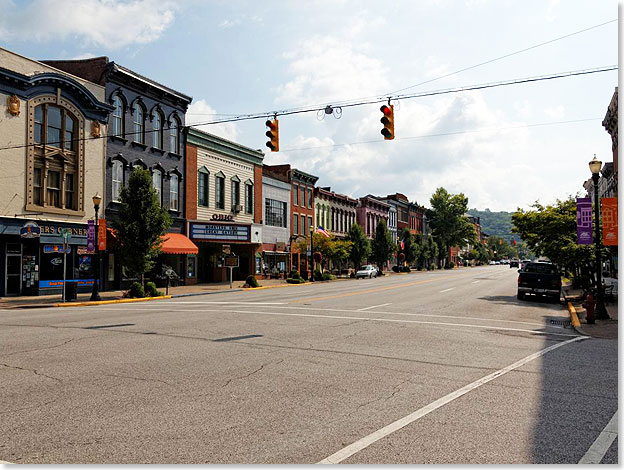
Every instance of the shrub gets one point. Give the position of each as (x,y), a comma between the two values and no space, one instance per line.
(328,277)
(406,269)
(294,274)
(136,290)
(298,280)
(432,266)
(151,291)
(251,281)
(395,269)
(451,265)
(318,275)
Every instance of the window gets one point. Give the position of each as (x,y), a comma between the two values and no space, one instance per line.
(157,137)
(310,224)
(296,224)
(174,136)
(117,176)
(303,197)
(69,191)
(157,181)
(235,192)
(173,193)
(53,158)
(118,115)
(139,123)
(303,227)
(54,188)
(37,187)
(202,187)
(275,213)
(296,195)
(220,191)
(249,198)
(309,197)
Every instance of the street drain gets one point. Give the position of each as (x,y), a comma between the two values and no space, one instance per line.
(564,323)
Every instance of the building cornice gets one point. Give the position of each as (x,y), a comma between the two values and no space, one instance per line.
(222,146)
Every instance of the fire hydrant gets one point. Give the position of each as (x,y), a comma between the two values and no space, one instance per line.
(589,306)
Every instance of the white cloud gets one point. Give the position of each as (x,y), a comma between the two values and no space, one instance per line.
(105,23)
(555,112)
(200,112)
(226,24)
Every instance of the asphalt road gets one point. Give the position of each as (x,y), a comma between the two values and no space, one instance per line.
(440,367)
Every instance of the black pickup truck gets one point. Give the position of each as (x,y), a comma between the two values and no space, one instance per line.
(539,279)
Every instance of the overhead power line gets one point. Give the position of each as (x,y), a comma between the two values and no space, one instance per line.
(264,115)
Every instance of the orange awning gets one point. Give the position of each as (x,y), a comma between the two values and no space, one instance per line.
(178,244)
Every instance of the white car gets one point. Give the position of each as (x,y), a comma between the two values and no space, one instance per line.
(368,271)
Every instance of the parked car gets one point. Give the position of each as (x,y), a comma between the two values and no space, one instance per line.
(543,279)
(368,271)
(514,263)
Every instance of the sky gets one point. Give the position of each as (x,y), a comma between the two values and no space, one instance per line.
(502,147)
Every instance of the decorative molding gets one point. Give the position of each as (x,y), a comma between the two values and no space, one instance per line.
(96,130)
(13,105)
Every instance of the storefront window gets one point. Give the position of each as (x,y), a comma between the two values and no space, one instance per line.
(190,266)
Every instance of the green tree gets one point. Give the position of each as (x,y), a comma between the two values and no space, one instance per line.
(421,250)
(410,249)
(140,224)
(448,221)
(341,250)
(551,231)
(360,248)
(382,246)
(432,250)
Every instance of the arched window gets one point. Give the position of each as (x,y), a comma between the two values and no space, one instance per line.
(54,157)
(118,179)
(173,192)
(157,132)
(174,135)
(157,182)
(118,116)
(139,123)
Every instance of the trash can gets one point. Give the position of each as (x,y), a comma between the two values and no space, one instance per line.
(71,290)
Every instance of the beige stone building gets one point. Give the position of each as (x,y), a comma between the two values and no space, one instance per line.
(52,149)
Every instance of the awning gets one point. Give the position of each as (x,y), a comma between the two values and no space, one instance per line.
(178,244)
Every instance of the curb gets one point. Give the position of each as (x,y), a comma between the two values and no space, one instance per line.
(192,294)
(104,302)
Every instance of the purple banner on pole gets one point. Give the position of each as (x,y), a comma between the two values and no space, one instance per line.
(90,235)
(584,234)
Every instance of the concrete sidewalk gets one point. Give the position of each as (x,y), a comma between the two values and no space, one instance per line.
(606,329)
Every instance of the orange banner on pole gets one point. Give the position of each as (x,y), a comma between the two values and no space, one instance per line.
(102,235)
(609,221)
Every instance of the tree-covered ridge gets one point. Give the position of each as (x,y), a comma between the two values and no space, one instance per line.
(495,223)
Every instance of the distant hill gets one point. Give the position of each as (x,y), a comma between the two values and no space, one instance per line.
(495,223)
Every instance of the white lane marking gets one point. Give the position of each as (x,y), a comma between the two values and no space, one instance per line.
(446,290)
(388,320)
(475,282)
(221,303)
(373,306)
(316,309)
(366,441)
(602,443)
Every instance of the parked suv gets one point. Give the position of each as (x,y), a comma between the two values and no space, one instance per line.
(514,263)
(541,279)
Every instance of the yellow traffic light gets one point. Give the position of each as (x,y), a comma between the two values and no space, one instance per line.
(273,134)
(388,121)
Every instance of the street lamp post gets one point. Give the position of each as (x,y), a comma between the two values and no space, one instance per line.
(311,253)
(95,294)
(601,312)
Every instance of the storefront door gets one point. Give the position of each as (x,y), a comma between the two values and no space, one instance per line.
(13,272)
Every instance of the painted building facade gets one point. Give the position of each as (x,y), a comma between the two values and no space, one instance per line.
(145,130)
(369,212)
(302,210)
(54,122)
(276,200)
(337,211)
(224,187)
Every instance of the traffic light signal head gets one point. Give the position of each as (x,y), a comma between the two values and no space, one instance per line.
(273,134)
(388,121)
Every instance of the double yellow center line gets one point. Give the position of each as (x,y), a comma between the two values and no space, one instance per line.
(368,291)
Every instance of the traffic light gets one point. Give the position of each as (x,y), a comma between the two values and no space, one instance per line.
(273,134)
(388,121)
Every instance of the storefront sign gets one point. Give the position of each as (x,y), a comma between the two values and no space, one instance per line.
(59,283)
(50,229)
(609,221)
(220,232)
(55,248)
(231,261)
(91,235)
(102,235)
(223,217)
(82,250)
(584,221)
(30,230)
